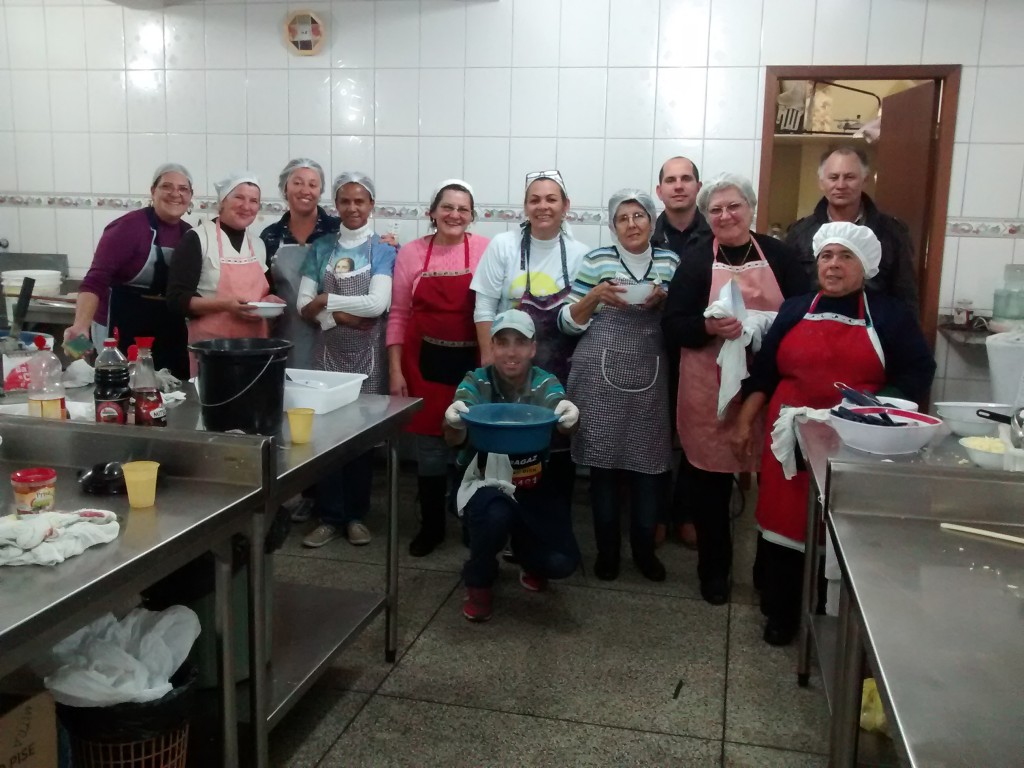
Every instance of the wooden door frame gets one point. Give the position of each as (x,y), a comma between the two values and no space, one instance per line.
(948,76)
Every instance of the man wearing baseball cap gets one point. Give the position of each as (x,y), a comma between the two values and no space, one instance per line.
(504,496)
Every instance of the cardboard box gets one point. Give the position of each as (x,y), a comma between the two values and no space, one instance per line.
(28,732)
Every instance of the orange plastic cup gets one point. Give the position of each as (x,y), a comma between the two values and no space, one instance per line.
(300,422)
(140,477)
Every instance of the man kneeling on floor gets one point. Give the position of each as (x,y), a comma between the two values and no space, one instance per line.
(506,497)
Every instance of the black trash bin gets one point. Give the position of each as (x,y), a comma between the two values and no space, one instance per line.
(133,735)
(241,383)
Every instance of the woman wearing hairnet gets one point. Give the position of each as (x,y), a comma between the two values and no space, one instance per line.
(842,332)
(126,283)
(432,340)
(346,289)
(219,267)
(620,381)
(766,272)
(287,241)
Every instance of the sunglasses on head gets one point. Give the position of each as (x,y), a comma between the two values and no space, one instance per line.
(554,175)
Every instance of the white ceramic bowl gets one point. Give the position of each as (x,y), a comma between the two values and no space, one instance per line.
(983,458)
(636,294)
(870,438)
(267,308)
(963,419)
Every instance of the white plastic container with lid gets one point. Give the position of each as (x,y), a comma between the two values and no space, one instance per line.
(1006,366)
(45,384)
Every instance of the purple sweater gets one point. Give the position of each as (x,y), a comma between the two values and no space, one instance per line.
(122,252)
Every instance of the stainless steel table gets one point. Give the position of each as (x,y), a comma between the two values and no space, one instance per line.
(311,625)
(939,478)
(939,615)
(209,485)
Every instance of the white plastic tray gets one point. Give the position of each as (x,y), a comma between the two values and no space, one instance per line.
(337,389)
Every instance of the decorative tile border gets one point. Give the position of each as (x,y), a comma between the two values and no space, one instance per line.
(396,211)
(977,227)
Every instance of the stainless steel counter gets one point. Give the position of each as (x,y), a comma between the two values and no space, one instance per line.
(209,486)
(916,601)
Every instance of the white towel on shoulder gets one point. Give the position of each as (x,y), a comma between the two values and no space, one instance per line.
(49,538)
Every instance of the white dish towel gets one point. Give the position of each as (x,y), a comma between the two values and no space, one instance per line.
(49,538)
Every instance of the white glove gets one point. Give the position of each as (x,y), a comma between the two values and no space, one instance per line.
(567,413)
(453,416)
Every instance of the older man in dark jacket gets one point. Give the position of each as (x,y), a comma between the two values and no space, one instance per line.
(841,176)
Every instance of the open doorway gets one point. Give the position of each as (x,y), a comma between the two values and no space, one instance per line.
(902,117)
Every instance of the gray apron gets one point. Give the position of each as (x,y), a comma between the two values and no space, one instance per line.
(286,269)
(352,350)
(619,380)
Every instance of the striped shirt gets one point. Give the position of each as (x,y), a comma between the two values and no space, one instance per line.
(484,386)
(603,264)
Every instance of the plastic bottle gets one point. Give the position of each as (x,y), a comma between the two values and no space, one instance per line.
(149,403)
(45,385)
(112,393)
(133,356)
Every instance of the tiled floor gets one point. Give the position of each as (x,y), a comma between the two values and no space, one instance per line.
(587,673)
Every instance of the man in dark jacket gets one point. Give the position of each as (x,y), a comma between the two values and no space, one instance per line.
(841,176)
(680,226)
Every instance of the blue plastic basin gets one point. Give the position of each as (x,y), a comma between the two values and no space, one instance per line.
(512,428)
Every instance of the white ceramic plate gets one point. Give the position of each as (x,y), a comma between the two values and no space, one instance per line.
(267,308)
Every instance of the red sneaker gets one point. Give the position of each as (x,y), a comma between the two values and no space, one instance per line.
(476,606)
(531,581)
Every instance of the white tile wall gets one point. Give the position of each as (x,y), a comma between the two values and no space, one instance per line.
(416,90)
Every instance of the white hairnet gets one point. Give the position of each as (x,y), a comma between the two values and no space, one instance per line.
(225,186)
(353,177)
(293,166)
(171,168)
(629,196)
(861,241)
(451,183)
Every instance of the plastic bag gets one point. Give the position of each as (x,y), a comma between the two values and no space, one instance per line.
(872,716)
(110,662)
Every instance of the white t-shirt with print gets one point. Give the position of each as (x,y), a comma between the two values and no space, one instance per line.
(498,276)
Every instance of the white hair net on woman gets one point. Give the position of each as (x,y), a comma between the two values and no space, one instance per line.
(293,166)
(353,177)
(171,168)
(860,241)
(629,196)
(226,185)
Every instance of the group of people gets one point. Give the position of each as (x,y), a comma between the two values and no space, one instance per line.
(618,341)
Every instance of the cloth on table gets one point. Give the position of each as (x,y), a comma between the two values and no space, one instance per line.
(732,357)
(49,538)
(784,434)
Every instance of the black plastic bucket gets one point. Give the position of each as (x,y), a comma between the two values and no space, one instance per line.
(241,383)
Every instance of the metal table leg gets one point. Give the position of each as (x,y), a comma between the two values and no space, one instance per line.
(225,652)
(259,707)
(810,599)
(846,713)
(391,617)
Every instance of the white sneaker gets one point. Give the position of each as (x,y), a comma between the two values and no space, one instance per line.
(358,534)
(321,535)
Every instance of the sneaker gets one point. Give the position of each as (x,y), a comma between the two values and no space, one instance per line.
(357,533)
(532,581)
(321,535)
(302,511)
(426,541)
(476,606)
(650,566)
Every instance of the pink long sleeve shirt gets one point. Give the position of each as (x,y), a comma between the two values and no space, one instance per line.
(409,267)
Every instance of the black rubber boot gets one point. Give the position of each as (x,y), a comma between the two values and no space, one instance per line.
(432,511)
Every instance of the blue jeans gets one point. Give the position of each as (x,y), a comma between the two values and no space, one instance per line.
(646,493)
(343,496)
(541,534)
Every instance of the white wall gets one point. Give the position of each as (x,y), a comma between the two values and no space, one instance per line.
(413,92)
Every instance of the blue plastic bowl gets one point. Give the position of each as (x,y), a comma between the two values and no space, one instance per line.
(512,428)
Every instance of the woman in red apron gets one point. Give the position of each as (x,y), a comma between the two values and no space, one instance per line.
(220,266)
(432,341)
(766,271)
(840,333)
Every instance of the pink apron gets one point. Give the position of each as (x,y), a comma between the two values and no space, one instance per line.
(705,439)
(240,278)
